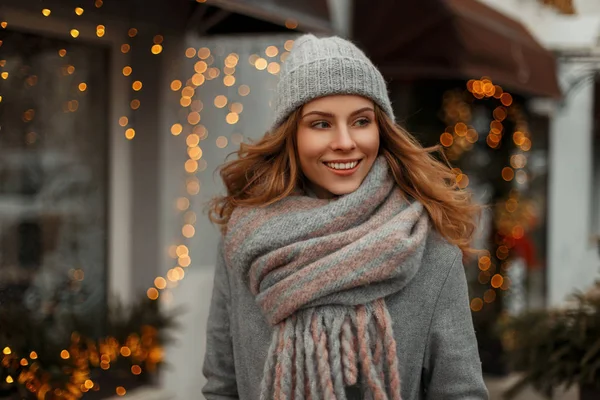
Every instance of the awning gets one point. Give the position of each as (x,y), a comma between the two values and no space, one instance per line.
(453,39)
(306,15)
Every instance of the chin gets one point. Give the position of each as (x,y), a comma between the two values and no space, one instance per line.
(340,190)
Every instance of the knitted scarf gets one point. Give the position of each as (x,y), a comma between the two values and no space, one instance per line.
(319,271)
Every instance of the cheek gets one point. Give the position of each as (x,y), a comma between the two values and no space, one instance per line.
(370,141)
(308,146)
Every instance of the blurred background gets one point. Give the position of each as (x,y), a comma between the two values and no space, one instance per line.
(114,115)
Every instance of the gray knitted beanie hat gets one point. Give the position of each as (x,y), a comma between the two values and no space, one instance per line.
(318,67)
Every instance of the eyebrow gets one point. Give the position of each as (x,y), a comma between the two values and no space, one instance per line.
(325,114)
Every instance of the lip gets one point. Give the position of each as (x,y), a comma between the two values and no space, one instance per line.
(344,172)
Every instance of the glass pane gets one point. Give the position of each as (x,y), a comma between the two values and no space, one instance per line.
(53,174)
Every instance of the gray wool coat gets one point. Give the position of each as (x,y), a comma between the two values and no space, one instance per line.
(432,323)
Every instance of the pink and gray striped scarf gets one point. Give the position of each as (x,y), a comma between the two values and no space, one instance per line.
(319,271)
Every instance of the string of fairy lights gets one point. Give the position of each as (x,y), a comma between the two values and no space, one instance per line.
(512,215)
(204,70)
(144,351)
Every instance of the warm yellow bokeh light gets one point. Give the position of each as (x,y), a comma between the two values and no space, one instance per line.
(190,52)
(176,85)
(197,105)
(497,281)
(123,121)
(288,45)
(82,87)
(221,142)
(506,99)
(190,216)
(134,104)
(291,23)
(260,64)
(526,145)
(244,90)
(176,129)
(195,153)
(46,12)
(198,79)
(229,80)
(184,261)
(188,231)
(204,53)
(156,49)
(213,73)
(232,118)
(160,282)
(476,304)
(182,203)
(152,294)
(182,250)
(273,68)
(121,390)
(193,118)
(74,33)
(236,107)
(137,86)
(192,140)
(231,61)
(446,139)
(127,70)
(252,59)
(200,67)
(508,174)
(489,296)
(188,91)
(193,187)
(100,30)
(78,10)
(271,51)
(220,101)
(65,355)
(130,133)
(62,52)
(191,166)
(136,369)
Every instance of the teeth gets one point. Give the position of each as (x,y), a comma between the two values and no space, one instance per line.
(342,165)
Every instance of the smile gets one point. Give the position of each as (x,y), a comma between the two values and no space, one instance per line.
(343,168)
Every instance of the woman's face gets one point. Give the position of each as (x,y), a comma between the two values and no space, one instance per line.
(338,142)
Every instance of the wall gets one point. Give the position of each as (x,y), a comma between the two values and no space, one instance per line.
(573,259)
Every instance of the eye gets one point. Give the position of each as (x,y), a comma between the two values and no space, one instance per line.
(320,125)
(362,122)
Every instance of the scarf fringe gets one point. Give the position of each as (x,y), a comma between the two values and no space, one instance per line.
(315,354)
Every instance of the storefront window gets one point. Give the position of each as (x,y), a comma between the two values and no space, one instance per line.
(53,174)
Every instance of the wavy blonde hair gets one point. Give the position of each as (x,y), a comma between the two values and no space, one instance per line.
(269,170)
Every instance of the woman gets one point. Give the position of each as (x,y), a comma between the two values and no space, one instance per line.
(340,273)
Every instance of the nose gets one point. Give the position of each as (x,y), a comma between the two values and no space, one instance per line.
(342,139)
